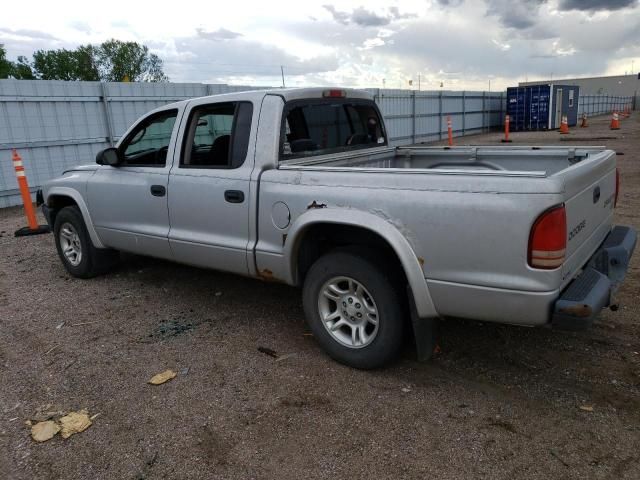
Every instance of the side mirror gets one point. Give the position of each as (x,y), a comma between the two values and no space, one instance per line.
(109,156)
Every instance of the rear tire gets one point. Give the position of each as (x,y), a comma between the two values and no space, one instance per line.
(353,310)
(75,249)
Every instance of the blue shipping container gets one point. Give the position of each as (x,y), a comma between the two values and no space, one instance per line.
(541,107)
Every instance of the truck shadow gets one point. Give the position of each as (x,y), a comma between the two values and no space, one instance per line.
(598,365)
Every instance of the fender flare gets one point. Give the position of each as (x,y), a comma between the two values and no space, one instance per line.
(77,197)
(369,221)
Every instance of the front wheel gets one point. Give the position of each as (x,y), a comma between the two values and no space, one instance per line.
(353,310)
(78,255)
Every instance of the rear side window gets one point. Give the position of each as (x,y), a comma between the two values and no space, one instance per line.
(318,127)
(217,136)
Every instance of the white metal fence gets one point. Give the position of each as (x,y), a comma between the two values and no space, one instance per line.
(421,116)
(56,125)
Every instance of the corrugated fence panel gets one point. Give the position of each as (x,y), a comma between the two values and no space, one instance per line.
(56,125)
(413,116)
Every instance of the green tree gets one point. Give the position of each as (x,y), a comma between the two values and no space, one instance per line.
(22,69)
(86,64)
(5,65)
(111,61)
(118,61)
(66,64)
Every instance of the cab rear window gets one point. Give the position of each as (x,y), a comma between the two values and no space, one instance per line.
(320,127)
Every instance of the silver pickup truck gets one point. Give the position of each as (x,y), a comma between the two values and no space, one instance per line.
(301,186)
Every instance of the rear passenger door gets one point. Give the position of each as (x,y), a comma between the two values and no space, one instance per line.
(209,186)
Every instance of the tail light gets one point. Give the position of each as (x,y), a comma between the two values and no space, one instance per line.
(548,239)
(615,198)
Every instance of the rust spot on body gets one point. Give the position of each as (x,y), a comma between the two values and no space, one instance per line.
(580,311)
(421,261)
(267,275)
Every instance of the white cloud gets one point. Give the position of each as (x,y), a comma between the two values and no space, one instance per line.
(502,46)
(372,42)
(349,42)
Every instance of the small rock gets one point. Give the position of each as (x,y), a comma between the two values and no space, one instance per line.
(43,431)
(406,390)
(74,422)
(285,356)
(163,377)
(586,408)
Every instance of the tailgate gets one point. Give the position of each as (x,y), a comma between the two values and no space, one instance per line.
(590,187)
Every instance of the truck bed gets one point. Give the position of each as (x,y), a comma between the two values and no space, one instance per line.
(499,160)
(516,177)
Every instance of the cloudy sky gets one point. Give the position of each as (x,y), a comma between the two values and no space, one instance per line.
(463,44)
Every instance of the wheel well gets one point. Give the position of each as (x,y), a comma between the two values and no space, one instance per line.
(321,238)
(57,203)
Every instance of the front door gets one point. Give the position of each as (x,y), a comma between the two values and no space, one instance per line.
(558,108)
(128,203)
(209,197)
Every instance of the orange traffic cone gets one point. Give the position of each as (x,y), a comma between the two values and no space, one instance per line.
(584,123)
(615,122)
(21,177)
(564,125)
(507,121)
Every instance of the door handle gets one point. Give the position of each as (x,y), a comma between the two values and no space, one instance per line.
(158,190)
(234,196)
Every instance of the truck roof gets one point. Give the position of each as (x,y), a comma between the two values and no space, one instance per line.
(287,93)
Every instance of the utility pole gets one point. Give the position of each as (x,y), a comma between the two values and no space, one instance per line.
(418,82)
(282,73)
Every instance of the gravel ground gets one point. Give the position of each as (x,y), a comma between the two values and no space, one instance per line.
(497,402)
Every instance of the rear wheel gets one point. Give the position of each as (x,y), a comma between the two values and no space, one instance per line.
(353,310)
(75,249)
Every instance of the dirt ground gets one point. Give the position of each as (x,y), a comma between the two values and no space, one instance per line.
(498,402)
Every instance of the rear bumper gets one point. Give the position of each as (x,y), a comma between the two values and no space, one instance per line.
(594,289)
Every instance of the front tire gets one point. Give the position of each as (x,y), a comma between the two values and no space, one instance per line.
(353,310)
(75,249)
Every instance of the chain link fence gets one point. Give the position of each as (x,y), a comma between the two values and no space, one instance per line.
(603,104)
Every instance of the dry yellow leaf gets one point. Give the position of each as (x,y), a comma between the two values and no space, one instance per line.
(43,431)
(586,408)
(162,377)
(74,422)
